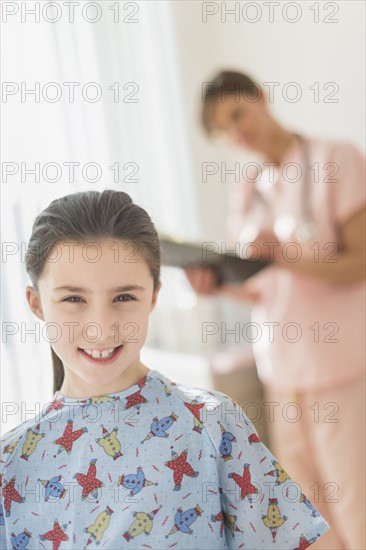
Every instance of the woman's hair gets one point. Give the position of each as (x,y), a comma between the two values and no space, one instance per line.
(90,216)
(226,83)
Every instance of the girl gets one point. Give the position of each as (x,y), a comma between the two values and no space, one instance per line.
(123,457)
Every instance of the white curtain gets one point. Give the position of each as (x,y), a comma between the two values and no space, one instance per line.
(147,139)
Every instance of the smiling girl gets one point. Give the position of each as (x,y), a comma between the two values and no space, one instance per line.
(123,457)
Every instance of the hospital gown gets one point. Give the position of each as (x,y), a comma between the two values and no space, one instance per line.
(157,465)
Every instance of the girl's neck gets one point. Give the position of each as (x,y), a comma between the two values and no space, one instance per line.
(76,388)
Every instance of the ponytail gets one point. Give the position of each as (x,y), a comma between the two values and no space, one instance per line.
(58,371)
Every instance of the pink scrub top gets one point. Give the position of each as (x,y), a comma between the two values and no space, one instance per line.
(307,333)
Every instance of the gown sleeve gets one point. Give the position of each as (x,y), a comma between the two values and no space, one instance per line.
(260,503)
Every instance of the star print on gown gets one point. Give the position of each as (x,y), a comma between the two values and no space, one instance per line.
(195,407)
(10,495)
(89,482)
(180,467)
(244,482)
(219,517)
(305,543)
(56,536)
(253,438)
(69,437)
(136,399)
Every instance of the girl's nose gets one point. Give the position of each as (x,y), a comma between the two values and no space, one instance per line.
(101,327)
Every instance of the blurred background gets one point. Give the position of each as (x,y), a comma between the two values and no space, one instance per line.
(137,70)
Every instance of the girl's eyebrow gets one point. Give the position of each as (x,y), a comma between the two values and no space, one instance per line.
(124,288)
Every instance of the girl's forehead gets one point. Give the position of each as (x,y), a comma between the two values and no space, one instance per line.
(104,262)
(94,250)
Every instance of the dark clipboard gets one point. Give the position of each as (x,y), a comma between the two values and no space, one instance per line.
(229,267)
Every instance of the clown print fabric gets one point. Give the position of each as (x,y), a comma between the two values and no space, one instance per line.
(158,465)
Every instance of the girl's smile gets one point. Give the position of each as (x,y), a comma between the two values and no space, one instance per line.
(105,357)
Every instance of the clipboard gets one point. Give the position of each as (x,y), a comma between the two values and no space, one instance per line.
(229,267)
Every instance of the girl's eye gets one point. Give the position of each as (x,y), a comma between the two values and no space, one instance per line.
(126,298)
(71,298)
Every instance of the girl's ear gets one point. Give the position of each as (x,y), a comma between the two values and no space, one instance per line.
(34,302)
(154,298)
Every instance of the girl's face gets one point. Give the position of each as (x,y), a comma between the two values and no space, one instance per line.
(96,296)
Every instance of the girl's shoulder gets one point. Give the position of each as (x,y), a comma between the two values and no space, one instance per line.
(11,439)
(17,431)
(186,393)
(217,412)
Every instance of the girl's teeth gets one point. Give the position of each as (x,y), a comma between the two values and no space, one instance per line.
(99,354)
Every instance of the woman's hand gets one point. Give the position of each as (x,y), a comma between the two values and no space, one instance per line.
(204,281)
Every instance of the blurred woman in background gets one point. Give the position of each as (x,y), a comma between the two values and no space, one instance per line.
(303,208)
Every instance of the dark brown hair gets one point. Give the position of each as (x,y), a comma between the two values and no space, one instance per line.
(226,83)
(85,216)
